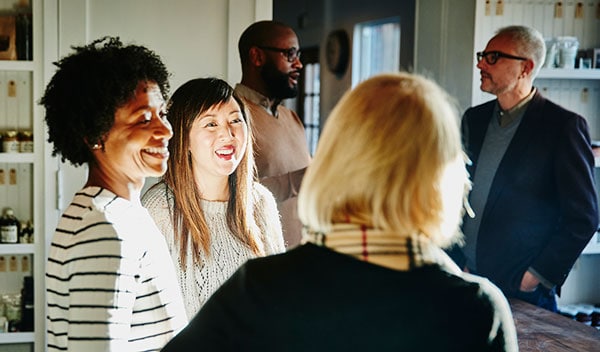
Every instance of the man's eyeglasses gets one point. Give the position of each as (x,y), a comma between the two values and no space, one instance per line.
(291,54)
(491,57)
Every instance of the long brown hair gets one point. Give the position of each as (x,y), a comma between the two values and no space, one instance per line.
(187,103)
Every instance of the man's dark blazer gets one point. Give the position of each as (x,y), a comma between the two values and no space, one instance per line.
(541,210)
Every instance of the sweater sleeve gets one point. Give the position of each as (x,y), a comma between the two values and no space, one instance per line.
(155,201)
(270,223)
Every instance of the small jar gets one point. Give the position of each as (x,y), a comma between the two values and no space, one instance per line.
(9,227)
(10,142)
(26,142)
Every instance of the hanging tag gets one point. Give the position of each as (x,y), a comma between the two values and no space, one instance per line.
(579,10)
(12,88)
(12,177)
(2,264)
(584,95)
(488,7)
(558,10)
(499,8)
(12,263)
(25,264)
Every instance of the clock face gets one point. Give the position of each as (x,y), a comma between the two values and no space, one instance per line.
(337,51)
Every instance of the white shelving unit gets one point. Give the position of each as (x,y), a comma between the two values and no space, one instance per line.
(563,73)
(17,338)
(18,158)
(21,248)
(18,66)
(22,181)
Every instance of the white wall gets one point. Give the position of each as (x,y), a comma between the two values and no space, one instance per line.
(195,38)
(444,49)
(190,36)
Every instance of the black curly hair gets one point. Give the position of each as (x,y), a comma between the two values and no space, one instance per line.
(88,88)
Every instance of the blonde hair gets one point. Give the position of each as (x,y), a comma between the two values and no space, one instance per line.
(382,155)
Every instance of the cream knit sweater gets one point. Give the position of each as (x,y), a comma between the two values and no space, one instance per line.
(199,282)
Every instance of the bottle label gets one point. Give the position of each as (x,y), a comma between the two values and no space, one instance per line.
(9,233)
(26,146)
(10,146)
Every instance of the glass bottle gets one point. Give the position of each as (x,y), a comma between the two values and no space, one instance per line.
(9,226)
(26,232)
(26,323)
(24,29)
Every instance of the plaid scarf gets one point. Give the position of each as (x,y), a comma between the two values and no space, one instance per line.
(383,248)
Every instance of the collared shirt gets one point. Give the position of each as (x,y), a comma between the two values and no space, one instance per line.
(281,154)
(270,105)
(505,117)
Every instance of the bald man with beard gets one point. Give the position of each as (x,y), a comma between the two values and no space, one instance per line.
(270,58)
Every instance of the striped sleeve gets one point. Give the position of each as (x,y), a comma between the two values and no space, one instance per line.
(107,289)
(91,285)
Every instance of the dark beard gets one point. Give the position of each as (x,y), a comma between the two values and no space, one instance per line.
(277,82)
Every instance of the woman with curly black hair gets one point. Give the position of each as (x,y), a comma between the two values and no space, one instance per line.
(109,279)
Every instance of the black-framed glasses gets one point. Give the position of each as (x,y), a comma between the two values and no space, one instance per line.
(491,57)
(291,54)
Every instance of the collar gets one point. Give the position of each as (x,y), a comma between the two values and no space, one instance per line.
(382,248)
(269,105)
(505,117)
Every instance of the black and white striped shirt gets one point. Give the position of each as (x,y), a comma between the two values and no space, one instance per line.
(110,282)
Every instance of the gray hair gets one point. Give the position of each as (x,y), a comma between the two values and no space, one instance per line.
(529,43)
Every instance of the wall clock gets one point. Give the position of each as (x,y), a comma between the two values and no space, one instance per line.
(337,51)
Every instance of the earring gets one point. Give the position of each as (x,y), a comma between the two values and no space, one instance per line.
(96,146)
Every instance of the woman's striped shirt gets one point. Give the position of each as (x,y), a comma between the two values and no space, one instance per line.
(110,282)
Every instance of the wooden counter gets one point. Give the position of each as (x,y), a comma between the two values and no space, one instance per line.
(541,330)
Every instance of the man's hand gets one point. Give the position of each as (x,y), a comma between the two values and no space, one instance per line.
(529,282)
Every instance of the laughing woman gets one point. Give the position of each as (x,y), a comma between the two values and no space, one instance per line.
(371,275)
(209,206)
(110,283)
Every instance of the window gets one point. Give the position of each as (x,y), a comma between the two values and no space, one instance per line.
(376,48)
(309,97)
(311,105)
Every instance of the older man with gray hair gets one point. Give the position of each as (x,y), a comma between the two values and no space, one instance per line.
(533,176)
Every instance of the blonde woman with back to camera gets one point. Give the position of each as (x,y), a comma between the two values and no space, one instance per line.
(381,199)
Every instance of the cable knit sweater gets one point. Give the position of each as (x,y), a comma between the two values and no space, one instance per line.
(199,281)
